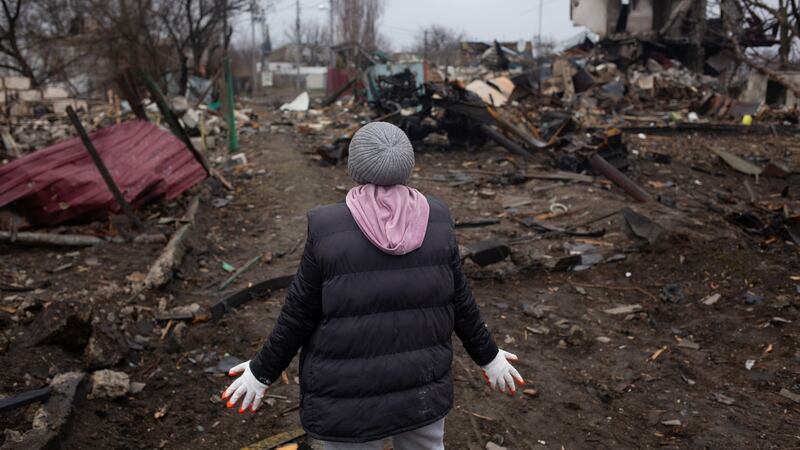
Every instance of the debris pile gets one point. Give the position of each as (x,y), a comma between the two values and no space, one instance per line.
(147,163)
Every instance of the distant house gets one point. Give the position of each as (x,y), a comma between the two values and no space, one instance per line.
(292,65)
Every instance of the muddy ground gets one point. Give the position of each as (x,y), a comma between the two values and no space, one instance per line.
(671,375)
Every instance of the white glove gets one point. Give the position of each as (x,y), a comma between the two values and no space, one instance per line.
(246,386)
(501,375)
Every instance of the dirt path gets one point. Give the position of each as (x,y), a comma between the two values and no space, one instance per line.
(671,375)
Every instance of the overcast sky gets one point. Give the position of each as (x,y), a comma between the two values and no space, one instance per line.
(508,20)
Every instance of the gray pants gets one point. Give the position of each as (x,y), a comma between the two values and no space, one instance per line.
(430,437)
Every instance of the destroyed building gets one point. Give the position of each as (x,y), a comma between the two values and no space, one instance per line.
(682,29)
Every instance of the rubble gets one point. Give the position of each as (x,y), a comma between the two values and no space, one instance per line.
(109,384)
(64,323)
(300,103)
(160,271)
(52,417)
(106,347)
(606,194)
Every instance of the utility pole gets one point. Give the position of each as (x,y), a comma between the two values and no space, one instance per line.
(254,47)
(297,38)
(331,40)
(425,46)
(539,37)
(297,21)
(539,46)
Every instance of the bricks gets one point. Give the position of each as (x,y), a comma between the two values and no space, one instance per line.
(60,106)
(30,95)
(20,110)
(16,83)
(55,93)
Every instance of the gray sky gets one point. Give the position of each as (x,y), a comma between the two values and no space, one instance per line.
(478,19)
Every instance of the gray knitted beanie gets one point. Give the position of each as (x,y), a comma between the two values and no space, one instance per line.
(380,153)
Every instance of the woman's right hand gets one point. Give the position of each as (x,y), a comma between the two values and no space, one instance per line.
(246,387)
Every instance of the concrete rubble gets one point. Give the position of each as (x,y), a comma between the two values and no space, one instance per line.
(109,384)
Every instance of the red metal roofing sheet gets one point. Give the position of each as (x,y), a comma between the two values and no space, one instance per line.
(60,183)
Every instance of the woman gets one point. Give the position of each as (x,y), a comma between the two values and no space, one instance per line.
(374,304)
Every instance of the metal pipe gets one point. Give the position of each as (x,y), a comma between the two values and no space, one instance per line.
(506,143)
(629,186)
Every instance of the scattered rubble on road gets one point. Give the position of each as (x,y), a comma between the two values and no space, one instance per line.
(628,222)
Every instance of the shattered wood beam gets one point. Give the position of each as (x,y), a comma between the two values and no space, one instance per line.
(679,11)
(98,162)
(172,121)
(66,240)
(634,190)
(127,87)
(74,240)
(503,141)
(335,96)
(509,127)
(713,128)
(170,258)
(277,440)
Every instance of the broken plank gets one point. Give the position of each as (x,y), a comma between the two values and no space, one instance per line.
(560,176)
(274,441)
(101,167)
(785,393)
(476,223)
(172,121)
(530,222)
(626,309)
(66,240)
(172,255)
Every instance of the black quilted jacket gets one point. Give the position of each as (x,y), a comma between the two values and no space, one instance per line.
(375,329)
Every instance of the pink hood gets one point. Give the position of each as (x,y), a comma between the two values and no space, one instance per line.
(394,218)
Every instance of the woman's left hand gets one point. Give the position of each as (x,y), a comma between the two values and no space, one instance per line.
(246,387)
(501,375)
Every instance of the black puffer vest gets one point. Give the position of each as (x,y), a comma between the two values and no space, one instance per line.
(375,329)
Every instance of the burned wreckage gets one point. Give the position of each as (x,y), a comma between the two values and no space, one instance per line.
(641,66)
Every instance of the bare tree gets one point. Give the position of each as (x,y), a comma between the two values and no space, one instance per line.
(782,18)
(312,43)
(194,26)
(125,34)
(441,44)
(762,16)
(32,35)
(10,40)
(357,22)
